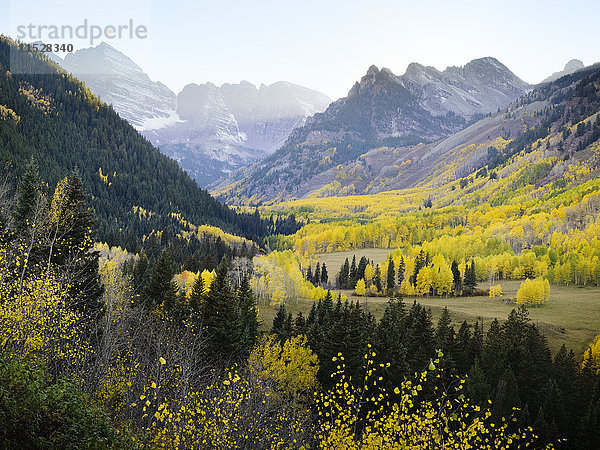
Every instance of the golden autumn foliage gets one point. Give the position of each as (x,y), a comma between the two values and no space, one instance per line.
(533,292)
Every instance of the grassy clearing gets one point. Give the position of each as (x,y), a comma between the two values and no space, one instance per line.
(335,260)
(571,316)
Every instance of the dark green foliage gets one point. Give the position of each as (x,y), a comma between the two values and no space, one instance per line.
(317,275)
(81,132)
(220,316)
(160,289)
(324,274)
(249,323)
(457,279)
(27,198)
(391,278)
(377,279)
(389,343)
(40,415)
(470,278)
(342,279)
(401,269)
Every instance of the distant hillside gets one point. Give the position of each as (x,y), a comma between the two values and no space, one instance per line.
(133,187)
(382,110)
(554,126)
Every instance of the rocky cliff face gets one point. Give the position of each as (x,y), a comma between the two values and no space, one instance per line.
(117,80)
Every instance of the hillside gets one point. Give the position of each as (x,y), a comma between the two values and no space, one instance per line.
(555,120)
(382,110)
(49,115)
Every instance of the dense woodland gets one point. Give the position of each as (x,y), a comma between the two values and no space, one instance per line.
(134,188)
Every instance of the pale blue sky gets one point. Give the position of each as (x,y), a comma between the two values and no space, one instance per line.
(328,44)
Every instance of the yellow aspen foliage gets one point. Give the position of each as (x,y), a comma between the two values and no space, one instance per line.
(533,292)
(360,288)
(495,291)
(291,368)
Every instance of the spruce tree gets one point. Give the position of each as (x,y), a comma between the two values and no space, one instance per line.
(220,316)
(27,198)
(457,280)
(317,276)
(160,289)
(353,274)
(197,297)
(248,317)
(389,338)
(377,279)
(391,278)
(309,274)
(342,279)
(401,269)
(324,275)
(278,328)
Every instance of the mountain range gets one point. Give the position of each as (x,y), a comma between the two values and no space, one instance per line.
(381,110)
(209,130)
(394,132)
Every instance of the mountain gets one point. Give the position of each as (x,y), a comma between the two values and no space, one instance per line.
(119,82)
(572,66)
(221,129)
(381,110)
(49,115)
(548,134)
(209,130)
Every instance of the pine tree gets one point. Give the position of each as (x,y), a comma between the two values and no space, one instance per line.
(353,274)
(309,274)
(197,297)
(444,334)
(300,324)
(342,278)
(470,278)
(278,328)
(317,276)
(401,269)
(248,317)
(388,341)
(377,279)
(391,278)
(419,264)
(27,198)
(220,316)
(72,247)
(457,282)
(160,289)
(324,275)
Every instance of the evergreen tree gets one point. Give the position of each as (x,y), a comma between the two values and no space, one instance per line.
(389,337)
(220,316)
(309,274)
(377,279)
(470,278)
(324,275)
(444,334)
(160,289)
(197,298)
(457,279)
(401,269)
(420,341)
(300,324)
(391,278)
(317,276)
(27,198)
(72,247)
(278,328)
(248,318)
(354,273)
(419,264)
(343,276)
